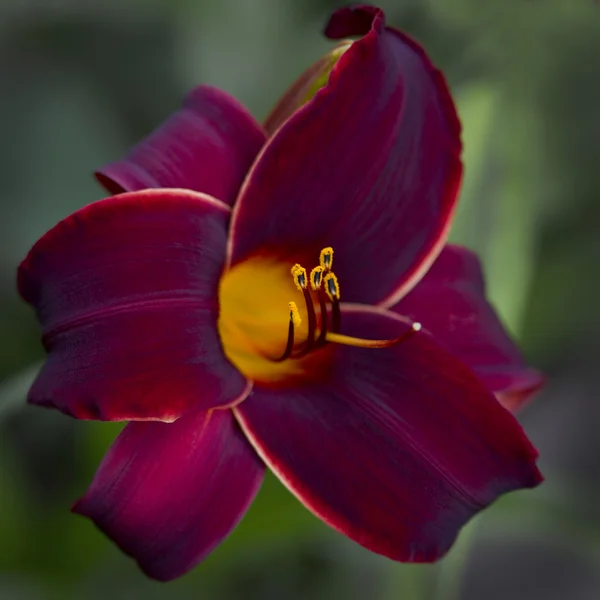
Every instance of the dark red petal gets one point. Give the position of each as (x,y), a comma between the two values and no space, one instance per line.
(126,292)
(369,166)
(450,302)
(208,145)
(169,493)
(398,449)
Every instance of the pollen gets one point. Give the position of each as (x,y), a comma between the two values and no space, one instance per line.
(326,258)
(332,287)
(316,277)
(299,275)
(326,329)
(295,318)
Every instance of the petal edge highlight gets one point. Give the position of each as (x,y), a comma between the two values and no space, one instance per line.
(370,166)
(126,292)
(391,453)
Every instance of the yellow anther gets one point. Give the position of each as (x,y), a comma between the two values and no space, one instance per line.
(332,287)
(299,275)
(326,258)
(294,314)
(316,278)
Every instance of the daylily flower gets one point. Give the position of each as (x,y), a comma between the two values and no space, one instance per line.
(212,313)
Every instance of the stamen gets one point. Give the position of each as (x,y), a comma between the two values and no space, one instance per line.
(301,281)
(326,258)
(346,340)
(323,306)
(316,277)
(336,316)
(332,288)
(316,281)
(312,325)
(295,321)
(325,283)
(294,314)
(299,275)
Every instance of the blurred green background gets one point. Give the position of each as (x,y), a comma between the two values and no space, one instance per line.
(82,80)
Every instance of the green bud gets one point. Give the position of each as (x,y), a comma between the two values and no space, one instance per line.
(305,87)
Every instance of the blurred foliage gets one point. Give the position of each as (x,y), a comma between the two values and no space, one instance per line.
(84,80)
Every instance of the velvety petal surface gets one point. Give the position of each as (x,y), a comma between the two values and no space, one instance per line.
(370,166)
(450,303)
(168,493)
(398,448)
(208,145)
(126,292)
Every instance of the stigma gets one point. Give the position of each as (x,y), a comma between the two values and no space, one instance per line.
(325,286)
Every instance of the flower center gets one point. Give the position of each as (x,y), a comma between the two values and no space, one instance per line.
(253,297)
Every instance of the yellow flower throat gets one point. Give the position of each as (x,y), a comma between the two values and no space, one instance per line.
(252,297)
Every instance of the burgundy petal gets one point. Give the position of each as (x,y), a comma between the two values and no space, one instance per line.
(398,448)
(450,302)
(370,166)
(126,292)
(169,493)
(208,145)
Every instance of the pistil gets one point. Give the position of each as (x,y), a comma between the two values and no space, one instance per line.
(347,340)
(325,283)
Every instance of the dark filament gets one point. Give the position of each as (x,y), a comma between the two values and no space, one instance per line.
(324,283)
(290,342)
(311,342)
(312,325)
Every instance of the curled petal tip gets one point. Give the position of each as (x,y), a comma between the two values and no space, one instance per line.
(523,389)
(374,160)
(354,20)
